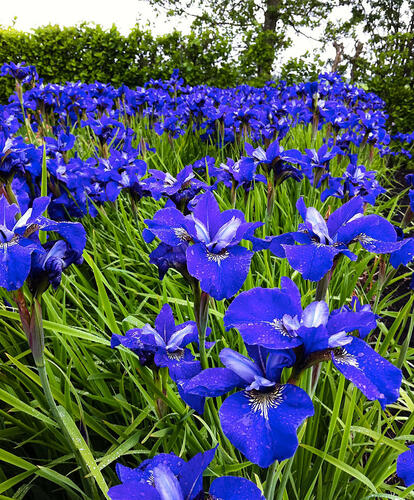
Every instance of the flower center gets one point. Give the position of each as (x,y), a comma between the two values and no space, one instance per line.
(177,355)
(182,234)
(343,357)
(278,325)
(261,401)
(217,257)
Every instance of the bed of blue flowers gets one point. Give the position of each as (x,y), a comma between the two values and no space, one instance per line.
(206,293)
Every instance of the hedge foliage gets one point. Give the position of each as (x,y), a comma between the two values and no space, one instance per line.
(90,53)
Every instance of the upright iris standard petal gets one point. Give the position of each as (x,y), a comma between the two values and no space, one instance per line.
(343,214)
(191,474)
(405,466)
(374,376)
(235,488)
(166,484)
(263,425)
(222,274)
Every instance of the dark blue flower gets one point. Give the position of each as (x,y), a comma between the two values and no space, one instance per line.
(18,239)
(320,242)
(262,420)
(47,267)
(273,318)
(214,255)
(166,343)
(405,466)
(168,477)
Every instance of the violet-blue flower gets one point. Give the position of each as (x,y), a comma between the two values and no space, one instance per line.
(274,319)
(168,477)
(214,256)
(321,241)
(262,420)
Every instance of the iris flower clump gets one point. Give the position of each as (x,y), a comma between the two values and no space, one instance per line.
(212,239)
(168,477)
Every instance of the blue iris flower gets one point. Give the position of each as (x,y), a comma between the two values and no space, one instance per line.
(274,319)
(321,241)
(277,159)
(214,256)
(47,266)
(166,343)
(179,190)
(168,477)
(356,181)
(405,466)
(19,239)
(261,420)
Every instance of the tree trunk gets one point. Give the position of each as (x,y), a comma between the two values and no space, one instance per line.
(271,17)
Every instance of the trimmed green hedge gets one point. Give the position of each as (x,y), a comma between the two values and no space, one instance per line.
(88,53)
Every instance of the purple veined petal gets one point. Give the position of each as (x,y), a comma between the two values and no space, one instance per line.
(177,338)
(235,488)
(366,227)
(239,364)
(133,490)
(263,426)
(214,382)
(164,323)
(343,214)
(171,227)
(258,315)
(403,255)
(363,321)
(405,466)
(191,474)
(15,262)
(374,376)
(312,261)
(221,275)
(315,314)
(166,483)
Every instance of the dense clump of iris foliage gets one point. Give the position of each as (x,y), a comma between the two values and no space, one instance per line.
(201,281)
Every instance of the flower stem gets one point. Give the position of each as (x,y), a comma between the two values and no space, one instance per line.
(201,300)
(322,286)
(271,479)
